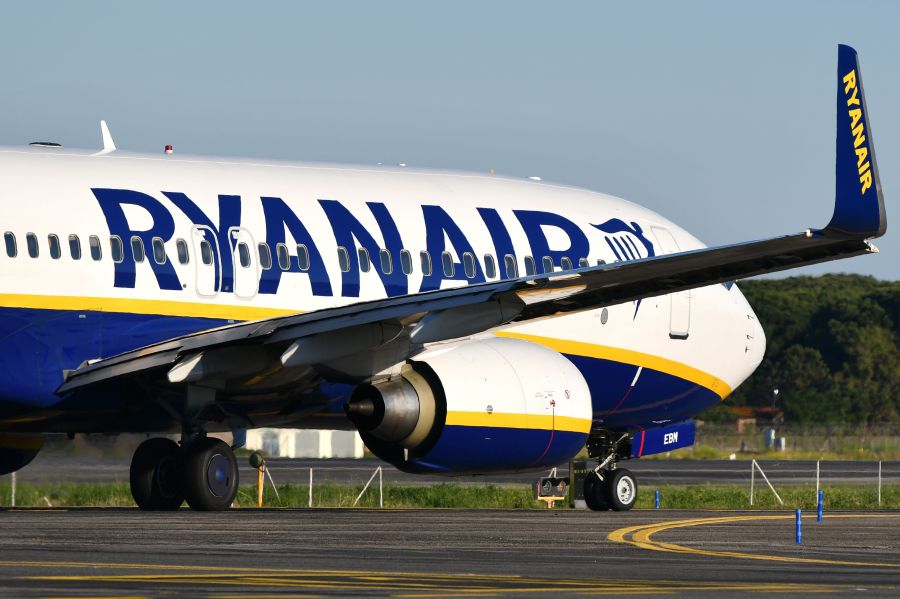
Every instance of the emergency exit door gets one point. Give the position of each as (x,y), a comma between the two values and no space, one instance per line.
(245,260)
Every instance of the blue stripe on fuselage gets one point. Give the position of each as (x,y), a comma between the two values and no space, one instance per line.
(657,397)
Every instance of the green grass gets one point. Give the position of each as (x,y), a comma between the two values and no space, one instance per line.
(445,495)
(842,497)
(325,495)
(837,497)
(706,452)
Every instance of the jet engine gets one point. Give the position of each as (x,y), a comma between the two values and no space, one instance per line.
(482,405)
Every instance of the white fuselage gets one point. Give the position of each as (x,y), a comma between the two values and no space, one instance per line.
(708,336)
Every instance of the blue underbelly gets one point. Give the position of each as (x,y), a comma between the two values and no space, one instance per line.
(37,346)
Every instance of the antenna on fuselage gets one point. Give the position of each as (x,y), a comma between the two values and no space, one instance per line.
(108,144)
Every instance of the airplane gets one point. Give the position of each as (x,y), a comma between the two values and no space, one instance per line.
(463,323)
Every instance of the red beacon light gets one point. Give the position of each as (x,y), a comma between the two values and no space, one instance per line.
(169,149)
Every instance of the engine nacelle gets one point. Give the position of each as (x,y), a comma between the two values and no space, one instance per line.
(483,405)
(18,449)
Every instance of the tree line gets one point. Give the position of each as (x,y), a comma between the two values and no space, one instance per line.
(833,350)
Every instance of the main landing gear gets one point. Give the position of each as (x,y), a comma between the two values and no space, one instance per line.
(607,486)
(202,471)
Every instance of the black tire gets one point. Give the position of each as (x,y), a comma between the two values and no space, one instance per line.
(154,475)
(209,475)
(622,489)
(595,492)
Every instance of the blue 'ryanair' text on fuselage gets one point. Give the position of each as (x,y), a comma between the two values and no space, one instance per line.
(442,233)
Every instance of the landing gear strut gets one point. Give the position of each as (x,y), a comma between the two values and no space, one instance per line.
(609,487)
(202,471)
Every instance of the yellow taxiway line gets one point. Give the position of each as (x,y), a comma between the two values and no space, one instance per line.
(642,536)
(209,581)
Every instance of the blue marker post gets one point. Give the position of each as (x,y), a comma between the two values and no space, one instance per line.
(799,528)
(819,507)
(656,498)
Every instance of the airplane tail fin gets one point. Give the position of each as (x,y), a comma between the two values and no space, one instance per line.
(859,204)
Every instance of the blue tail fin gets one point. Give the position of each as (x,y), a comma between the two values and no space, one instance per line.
(859,205)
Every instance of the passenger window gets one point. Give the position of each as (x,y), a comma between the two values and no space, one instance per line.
(32,242)
(265,256)
(565,263)
(303,257)
(181,249)
(244,254)
(206,255)
(55,250)
(406,262)
(10,239)
(364,264)
(343,258)
(447,261)
(490,268)
(96,250)
(583,263)
(548,264)
(159,250)
(387,263)
(529,266)
(512,269)
(469,265)
(425,259)
(75,247)
(284,258)
(116,248)
(137,249)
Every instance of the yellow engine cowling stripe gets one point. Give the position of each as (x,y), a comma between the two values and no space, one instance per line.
(523,421)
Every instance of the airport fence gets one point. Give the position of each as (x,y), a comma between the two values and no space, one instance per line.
(848,441)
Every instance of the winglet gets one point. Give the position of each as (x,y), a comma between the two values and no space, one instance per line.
(859,205)
(108,143)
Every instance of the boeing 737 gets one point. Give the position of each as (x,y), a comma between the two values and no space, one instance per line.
(463,323)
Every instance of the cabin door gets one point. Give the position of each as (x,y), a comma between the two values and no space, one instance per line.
(207,263)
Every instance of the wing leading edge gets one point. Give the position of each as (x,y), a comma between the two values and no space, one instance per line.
(391,330)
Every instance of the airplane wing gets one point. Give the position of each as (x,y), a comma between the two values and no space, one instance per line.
(355,342)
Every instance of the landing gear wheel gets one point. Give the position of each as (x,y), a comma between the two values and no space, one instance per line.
(622,489)
(209,475)
(595,492)
(154,475)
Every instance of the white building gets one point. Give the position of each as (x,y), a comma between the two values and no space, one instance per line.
(293,443)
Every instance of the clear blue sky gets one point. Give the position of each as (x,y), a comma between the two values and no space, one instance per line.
(719,115)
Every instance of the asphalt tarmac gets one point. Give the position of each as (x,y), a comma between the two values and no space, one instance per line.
(65,467)
(444,553)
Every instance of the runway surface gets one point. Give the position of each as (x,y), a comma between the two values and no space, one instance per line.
(443,553)
(63,467)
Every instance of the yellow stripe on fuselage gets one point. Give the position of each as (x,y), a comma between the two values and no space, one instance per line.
(524,421)
(210,309)
(627,356)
